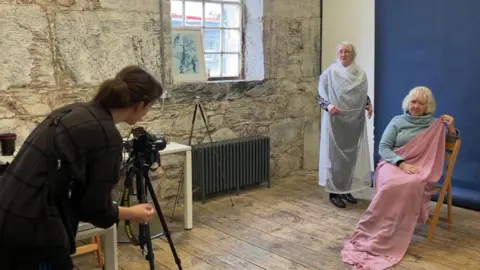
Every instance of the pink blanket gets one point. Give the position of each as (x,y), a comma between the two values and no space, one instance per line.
(400,201)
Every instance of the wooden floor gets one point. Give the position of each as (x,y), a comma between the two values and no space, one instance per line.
(290,226)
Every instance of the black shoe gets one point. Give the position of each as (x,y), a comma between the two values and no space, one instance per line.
(349,198)
(336,200)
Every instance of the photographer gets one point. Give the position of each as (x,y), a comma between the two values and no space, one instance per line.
(65,173)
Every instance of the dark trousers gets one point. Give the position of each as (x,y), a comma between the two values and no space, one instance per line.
(28,266)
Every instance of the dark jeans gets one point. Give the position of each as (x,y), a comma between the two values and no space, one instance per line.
(28,266)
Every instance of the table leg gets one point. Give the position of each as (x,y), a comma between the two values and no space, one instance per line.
(111,254)
(188,191)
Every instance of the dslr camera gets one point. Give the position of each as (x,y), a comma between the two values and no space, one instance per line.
(145,146)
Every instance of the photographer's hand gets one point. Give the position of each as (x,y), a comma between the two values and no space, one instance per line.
(143,212)
(140,213)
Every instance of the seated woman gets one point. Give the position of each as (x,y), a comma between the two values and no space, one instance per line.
(412,150)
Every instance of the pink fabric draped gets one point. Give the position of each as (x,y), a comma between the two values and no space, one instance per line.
(400,201)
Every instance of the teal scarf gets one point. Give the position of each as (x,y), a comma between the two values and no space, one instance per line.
(424,120)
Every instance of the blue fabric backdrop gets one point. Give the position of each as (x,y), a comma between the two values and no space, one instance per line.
(435,43)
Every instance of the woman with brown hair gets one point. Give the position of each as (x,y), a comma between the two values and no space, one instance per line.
(65,171)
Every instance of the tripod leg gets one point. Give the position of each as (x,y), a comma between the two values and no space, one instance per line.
(162,219)
(205,123)
(144,228)
(125,201)
(146,243)
(177,197)
(193,124)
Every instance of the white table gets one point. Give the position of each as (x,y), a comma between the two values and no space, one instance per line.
(110,252)
(176,148)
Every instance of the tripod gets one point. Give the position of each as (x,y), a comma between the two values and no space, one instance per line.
(182,178)
(144,186)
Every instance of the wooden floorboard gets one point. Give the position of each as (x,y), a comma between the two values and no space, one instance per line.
(290,226)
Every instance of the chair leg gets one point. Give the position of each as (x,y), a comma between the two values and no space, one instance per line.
(98,252)
(450,208)
(436,215)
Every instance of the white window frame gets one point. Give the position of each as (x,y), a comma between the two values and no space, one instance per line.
(240,54)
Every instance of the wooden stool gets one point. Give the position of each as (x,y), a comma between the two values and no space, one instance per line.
(95,246)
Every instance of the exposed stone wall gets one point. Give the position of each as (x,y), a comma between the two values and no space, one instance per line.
(53,52)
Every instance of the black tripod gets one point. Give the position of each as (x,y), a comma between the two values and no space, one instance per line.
(182,178)
(144,186)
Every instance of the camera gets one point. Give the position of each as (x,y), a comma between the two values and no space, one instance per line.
(145,146)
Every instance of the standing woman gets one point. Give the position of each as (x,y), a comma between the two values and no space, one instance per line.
(65,172)
(344,165)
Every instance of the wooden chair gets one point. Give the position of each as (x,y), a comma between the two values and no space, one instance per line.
(93,247)
(451,152)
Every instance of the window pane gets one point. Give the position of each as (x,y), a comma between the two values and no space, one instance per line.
(213,14)
(193,13)
(176,13)
(212,40)
(231,15)
(230,66)
(212,62)
(231,40)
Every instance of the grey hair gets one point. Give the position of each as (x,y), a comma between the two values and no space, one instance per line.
(424,92)
(351,46)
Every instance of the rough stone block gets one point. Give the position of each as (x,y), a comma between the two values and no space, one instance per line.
(25,53)
(26,104)
(132,5)
(285,133)
(104,42)
(301,104)
(311,143)
(288,161)
(289,8)
(312,44)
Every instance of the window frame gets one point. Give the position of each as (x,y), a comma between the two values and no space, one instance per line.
(221,53)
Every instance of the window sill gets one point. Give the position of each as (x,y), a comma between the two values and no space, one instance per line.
(226,82)
(232,80)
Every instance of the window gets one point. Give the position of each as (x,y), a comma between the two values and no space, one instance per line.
(221,21)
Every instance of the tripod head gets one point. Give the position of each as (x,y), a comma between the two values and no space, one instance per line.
(197,100)
(145,147)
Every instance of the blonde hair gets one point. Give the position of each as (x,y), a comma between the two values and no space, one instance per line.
(351,47)
(424,93)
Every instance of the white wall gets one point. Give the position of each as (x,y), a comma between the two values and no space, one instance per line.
(354,21)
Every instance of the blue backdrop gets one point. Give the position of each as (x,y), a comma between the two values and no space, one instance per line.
(435,43)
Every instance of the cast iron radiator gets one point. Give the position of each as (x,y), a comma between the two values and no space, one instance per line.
(243,162)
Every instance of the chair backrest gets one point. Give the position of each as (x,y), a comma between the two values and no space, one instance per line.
(452,147)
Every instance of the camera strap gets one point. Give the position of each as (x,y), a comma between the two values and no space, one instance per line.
(57,172)
(61,181)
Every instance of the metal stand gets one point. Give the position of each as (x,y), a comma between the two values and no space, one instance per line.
(198,106)
(143,187)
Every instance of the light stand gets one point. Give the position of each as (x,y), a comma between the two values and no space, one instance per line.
(198,106)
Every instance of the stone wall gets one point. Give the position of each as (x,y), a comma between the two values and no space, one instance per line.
(53,52)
